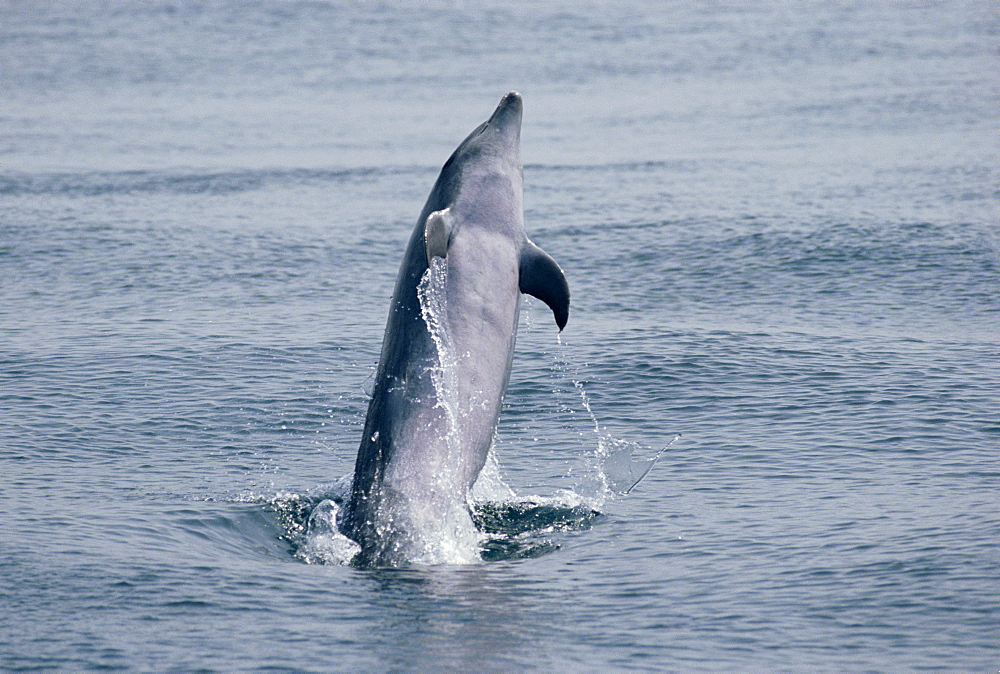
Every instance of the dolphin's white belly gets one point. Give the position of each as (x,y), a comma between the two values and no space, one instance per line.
(447,409)
(483,302)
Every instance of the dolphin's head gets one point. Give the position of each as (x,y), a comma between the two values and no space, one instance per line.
(483,175)
(497,137)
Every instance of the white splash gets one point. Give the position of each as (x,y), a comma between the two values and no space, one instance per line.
(620,464)
(324,542)
(433,296)
(490,486)
(448,536)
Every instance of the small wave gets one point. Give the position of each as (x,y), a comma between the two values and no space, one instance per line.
(99,183)
(522,528)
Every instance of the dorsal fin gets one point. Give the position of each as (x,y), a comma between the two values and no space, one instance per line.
(541,277)
(437,233)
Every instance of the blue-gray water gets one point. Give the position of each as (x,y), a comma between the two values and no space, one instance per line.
(781,227)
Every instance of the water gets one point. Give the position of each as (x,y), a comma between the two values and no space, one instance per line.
(780,229)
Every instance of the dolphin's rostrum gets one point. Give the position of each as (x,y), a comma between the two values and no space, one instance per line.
(444,368)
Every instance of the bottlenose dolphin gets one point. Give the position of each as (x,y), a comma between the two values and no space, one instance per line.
(447,352)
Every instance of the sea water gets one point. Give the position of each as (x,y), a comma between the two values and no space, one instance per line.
(779,223)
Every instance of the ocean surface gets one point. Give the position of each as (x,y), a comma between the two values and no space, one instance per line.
(780,223)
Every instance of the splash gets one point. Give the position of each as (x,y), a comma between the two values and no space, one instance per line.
(616,466)
(433,297)
(443,533)
(621,464)
(323,543)
(510,528)
(454,525)
(490,486)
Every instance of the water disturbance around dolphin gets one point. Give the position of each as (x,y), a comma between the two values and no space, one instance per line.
(446,356)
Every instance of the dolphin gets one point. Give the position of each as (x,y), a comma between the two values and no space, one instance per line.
(446,355)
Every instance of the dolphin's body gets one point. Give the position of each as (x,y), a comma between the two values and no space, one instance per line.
(439,388)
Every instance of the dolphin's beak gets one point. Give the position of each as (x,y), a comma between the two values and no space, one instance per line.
(507,116)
